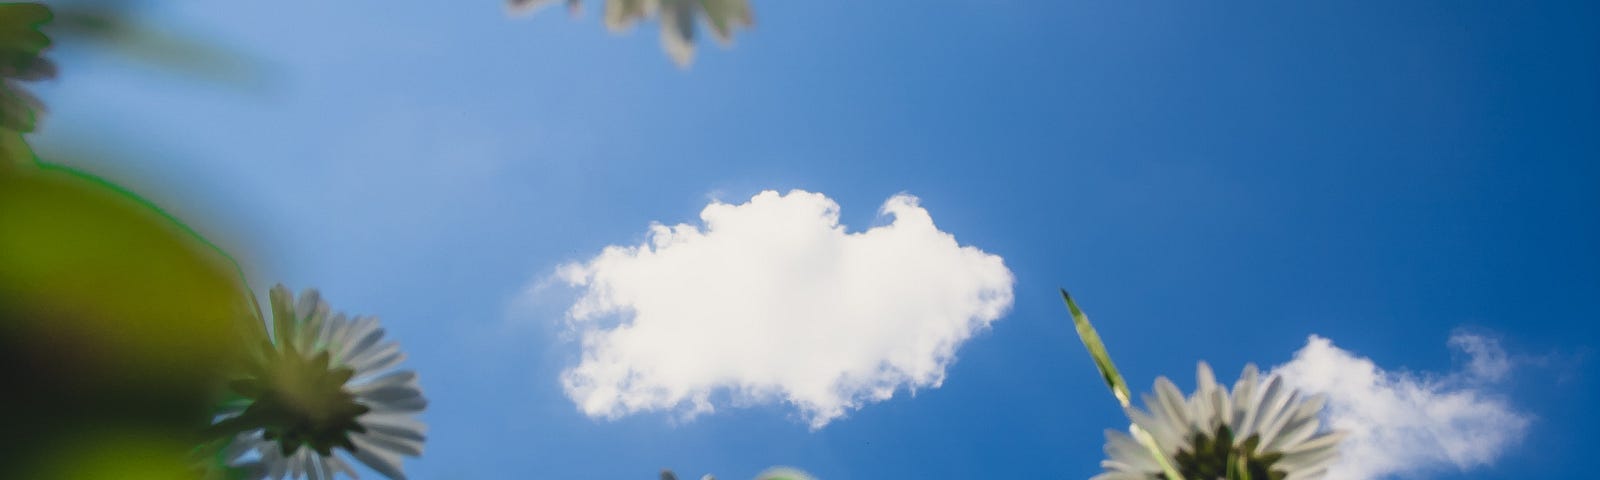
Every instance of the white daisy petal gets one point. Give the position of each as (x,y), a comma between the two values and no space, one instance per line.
(1306,474)
(379,363)
(1258,406)
(1325,441)
(398,378)
(313,325)
(1243,394)
(397,400)
(355,329)
(1205,380)
(395,422)
(1279,416)
(1313,405)
(1165,436)
(338,337)
(1127,452)
(242,443)
(369,339)
(1292,434)
(335,465)
(305,304)
(384,461)
(1311,459)
(297,464)
(406,434)
(325,331)
(1173,407)
(276,466)
(1120,476)
(403,446)
(362,362)
(1221,410)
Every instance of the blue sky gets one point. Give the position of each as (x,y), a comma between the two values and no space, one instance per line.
(1212,182)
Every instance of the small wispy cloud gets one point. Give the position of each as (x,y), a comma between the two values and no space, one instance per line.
(774,301)
(1402,423)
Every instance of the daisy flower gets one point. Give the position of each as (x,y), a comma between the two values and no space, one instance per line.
(1259,430)
(324,383)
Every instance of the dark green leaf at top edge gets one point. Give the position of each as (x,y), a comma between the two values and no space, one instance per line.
(22,46)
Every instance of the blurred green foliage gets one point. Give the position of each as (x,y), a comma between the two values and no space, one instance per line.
(119,325)
(21,60)
(114,26)
(113,316)
(117,322)
(109,454)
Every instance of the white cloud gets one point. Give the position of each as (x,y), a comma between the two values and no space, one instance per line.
(1406,424)
(1486,360)
(773,301)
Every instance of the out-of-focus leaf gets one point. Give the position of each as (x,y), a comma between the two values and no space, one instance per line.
(622,14)
(677,29)
(678,19)
(127,454)
(113,26)
(726,15)
(21,60)
(122,315)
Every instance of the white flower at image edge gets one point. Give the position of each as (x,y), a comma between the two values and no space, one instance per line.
(324,383)
(1260,430)
(678,19)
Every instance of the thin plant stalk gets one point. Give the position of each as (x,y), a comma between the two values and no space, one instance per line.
(1119,388)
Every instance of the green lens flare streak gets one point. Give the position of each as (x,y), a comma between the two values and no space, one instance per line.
(1119,388)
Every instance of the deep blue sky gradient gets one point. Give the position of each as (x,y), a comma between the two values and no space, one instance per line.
(1213,181)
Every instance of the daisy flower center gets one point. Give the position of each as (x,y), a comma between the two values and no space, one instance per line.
(1215,456)
(300,401)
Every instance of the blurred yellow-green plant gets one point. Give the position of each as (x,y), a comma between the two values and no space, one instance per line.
(118,322)
(113,315)
(21,44)
(114,26)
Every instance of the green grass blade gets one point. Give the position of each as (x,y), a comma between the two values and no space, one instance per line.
(1097,351)
(1119,387)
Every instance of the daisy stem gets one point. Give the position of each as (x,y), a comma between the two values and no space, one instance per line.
(1233,464)
(1119,388)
